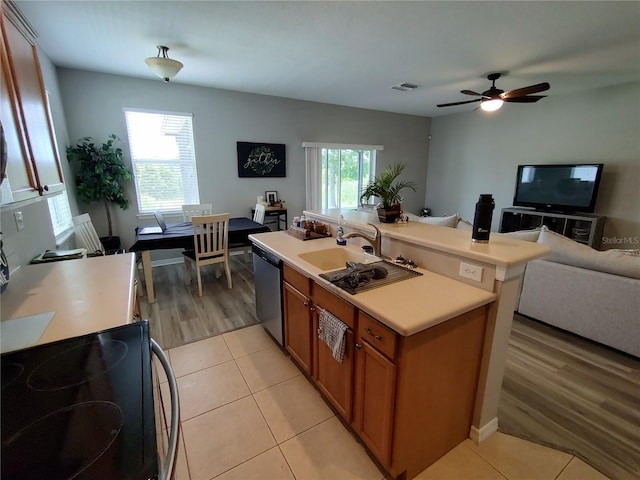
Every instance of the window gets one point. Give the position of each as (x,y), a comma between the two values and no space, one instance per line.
(337,173)
(344,174)
(60,214)
(163,159)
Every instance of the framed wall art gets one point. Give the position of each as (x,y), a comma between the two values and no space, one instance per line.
(261,159)
(271,197)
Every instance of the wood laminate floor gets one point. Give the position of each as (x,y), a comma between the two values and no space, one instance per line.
(180,316)
(559,390)
(567,392)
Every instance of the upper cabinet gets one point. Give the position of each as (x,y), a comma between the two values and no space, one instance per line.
(33,166)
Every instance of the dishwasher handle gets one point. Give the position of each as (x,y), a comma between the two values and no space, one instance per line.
(172,449)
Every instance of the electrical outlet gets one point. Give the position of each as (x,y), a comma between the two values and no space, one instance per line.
(19,220)
(472,272)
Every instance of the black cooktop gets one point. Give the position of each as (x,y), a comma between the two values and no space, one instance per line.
(80,408)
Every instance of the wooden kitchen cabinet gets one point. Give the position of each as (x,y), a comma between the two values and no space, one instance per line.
(334,379)
(298,319)
(33,166)
(410,399)
(375,386)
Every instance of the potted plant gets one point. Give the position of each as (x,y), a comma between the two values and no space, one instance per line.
(387,192)
(100,176)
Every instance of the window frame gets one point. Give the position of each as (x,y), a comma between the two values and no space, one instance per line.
(314,170)
(185,162)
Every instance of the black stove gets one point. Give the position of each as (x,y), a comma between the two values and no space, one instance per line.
(80,408)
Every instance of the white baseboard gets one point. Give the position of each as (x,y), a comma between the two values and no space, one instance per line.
(479,435)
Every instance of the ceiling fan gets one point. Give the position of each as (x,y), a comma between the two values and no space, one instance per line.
(493,98)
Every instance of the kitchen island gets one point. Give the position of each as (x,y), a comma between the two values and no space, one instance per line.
(424,356)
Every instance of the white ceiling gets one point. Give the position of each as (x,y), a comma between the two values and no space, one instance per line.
(351,53)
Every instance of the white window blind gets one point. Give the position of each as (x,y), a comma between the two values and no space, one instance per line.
(60,213)
(163,159)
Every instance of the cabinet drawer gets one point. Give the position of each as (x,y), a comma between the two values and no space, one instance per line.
(382,338)
(297,280)
(343,310)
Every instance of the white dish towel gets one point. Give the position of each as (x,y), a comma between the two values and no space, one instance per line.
(332,331)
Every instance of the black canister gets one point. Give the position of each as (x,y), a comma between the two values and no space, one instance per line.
(482,218)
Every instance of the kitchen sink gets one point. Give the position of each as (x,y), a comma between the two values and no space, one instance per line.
(336,257)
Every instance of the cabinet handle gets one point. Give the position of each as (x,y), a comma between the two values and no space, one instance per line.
(358,346)
(313,309)
(306,304)
(377,337)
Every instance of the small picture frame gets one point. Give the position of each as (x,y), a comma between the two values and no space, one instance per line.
(271,197)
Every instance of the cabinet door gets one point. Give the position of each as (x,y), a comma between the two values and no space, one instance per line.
(373,411)
(334,379)
(298,323)
(33,108)
(19,168)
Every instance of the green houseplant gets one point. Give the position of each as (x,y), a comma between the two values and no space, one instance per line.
(387,192)
(101,175)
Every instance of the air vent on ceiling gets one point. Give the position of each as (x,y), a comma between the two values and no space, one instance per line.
(404,87)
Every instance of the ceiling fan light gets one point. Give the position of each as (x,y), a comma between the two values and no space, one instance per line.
(491,105)
(163,66)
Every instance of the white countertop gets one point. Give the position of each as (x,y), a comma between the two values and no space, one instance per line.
(501,250)
(407,307)
(85,296)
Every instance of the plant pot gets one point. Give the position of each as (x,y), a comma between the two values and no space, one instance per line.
(111,243)
(389,215)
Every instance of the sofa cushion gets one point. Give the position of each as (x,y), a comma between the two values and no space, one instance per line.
(449,221)
(564,250)
(527,235)
(464,225)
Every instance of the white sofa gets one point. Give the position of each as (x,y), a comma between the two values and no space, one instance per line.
(593,294)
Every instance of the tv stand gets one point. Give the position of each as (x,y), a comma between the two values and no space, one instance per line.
(581,227)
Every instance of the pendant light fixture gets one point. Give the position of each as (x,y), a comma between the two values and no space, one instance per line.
(163,66)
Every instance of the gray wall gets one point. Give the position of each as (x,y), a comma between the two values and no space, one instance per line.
(475,152)
(93,104)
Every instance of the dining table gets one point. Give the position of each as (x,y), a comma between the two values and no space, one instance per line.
(180,235)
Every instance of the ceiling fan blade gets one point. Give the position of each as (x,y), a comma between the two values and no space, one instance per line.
(519,92)
(525,99)
(471,92)
(459,103)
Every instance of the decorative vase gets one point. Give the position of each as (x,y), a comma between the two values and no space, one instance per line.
(389,215)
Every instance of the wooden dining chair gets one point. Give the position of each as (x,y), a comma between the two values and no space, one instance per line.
(87,237)
(193,209)
(258,214)
(210,241)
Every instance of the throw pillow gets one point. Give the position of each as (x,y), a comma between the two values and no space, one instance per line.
(564,250)
(449,221)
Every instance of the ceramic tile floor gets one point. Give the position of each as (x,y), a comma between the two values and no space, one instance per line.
(247,413)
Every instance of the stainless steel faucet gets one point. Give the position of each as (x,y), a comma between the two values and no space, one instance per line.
(375,241)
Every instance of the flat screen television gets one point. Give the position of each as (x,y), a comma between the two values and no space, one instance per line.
(562,188)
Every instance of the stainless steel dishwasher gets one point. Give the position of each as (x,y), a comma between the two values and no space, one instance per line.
(267,272)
